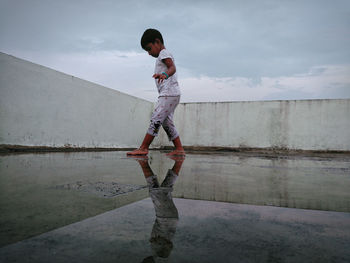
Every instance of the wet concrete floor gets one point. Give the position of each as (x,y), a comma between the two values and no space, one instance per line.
(104,207)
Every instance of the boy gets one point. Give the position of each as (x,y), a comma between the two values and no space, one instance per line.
(169,94)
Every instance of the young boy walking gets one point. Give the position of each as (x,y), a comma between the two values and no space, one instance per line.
(169,94)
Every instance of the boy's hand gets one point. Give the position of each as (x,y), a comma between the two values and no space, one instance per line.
(160,77)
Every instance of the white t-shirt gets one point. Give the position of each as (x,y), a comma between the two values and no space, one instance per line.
(170,86)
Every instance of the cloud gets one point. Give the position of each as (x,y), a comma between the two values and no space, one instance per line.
(251,39)
(321,82)
(131,72)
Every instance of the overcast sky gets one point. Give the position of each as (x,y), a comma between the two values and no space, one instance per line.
(224,50)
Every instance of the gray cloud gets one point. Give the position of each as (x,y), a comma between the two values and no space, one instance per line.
(250,39)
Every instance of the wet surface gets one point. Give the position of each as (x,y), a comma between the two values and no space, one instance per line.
(64,195)
(205,232)
(101,189)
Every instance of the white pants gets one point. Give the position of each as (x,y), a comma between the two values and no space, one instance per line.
(163,116)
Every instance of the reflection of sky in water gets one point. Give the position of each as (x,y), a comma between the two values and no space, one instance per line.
(42,192)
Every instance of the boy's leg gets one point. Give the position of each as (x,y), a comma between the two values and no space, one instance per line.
(172,133)
(179,150)
(143,150)
(177,143)
(159,114)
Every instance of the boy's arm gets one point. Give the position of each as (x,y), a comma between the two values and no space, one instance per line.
(171,70)
(170,65)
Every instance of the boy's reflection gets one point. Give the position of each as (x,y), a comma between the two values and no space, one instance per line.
(167,216)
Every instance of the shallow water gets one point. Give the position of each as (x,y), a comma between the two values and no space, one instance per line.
(43,192)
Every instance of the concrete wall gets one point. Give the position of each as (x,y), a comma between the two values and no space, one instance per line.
(42,107)
(303,124)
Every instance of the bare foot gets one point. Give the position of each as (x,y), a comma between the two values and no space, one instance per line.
(139,158)
(177,158)
(137,152)
(176,153)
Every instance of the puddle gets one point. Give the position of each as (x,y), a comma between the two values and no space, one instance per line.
(43,192)
(101,189)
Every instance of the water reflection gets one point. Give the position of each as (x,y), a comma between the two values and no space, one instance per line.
(167,216)
(42,192)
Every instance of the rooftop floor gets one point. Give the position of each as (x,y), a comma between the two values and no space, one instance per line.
(226,207)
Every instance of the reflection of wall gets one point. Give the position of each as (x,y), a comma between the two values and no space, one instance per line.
(305,125)
(38,192)
(308,183)
(42,107)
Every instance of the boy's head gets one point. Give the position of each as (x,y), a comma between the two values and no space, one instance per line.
(152,41)
(150,36)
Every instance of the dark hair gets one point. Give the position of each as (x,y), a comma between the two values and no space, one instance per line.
(150,36)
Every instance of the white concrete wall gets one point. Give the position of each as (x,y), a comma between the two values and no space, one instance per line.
(303,124)
(42,107)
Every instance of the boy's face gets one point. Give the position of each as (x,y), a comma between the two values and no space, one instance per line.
(154,49)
